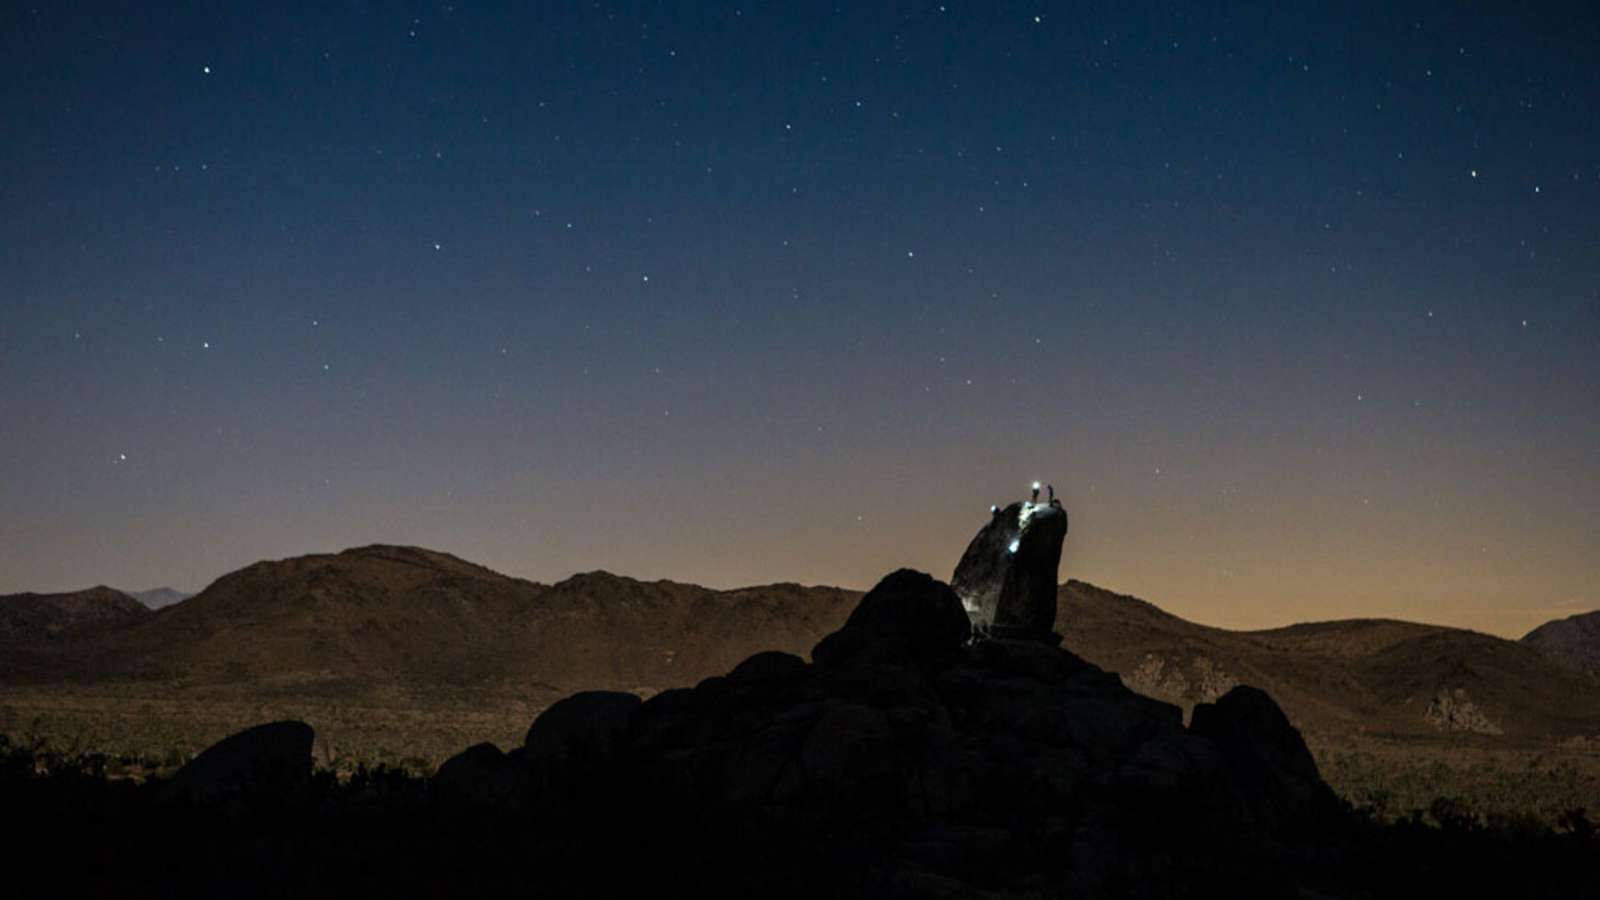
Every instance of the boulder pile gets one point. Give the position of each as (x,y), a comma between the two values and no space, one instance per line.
(909,760)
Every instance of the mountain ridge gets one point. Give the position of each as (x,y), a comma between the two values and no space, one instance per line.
(1378,677)
(372,620)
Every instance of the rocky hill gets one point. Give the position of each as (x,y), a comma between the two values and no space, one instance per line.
(1573,642)
(43,636)
(382,624)
(379,618)
(1354,677)
(35,618)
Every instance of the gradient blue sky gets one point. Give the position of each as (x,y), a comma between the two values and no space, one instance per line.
(1298,307)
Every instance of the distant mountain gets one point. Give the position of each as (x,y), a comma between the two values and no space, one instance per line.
(41,634)
(377,623)
(53,617)
(379,618)
(1574,642)
(1373,677)
(159,597)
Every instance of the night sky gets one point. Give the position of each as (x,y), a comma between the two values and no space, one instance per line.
(1297,307)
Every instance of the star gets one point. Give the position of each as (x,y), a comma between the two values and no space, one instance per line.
(205,70)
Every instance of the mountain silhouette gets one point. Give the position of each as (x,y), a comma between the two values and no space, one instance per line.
(363,624)
(378,617)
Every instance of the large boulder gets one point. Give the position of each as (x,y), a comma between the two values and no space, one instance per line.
(274,758)
(586,727)
(1272,770)
(1007,577)
(481,777)
(908,615)
(769,666)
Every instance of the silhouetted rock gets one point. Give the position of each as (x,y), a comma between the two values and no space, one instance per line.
(275,757)
(1007,577)
(908,614)
(1271,767)
(588,725)
(909,759)
(481,777)
(769,665)
(572,748)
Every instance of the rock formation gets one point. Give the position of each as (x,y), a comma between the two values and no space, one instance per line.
(270,758)
(1007,577)
(907,760)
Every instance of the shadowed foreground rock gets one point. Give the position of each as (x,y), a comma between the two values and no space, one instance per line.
(271,757)
(906,762)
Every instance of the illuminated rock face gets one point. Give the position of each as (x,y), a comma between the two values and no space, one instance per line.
(1007,578)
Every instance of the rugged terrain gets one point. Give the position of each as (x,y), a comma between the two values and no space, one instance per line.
(401,654)
(1376,677)
(395,653)
(1574,642)
(903,760)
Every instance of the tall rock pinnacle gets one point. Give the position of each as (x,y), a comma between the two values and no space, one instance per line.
(1007,578)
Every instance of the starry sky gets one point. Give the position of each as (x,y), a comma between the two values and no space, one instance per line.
(1297,306)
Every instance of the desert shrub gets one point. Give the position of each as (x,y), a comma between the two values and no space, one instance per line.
(1453,814)
(1576,822)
